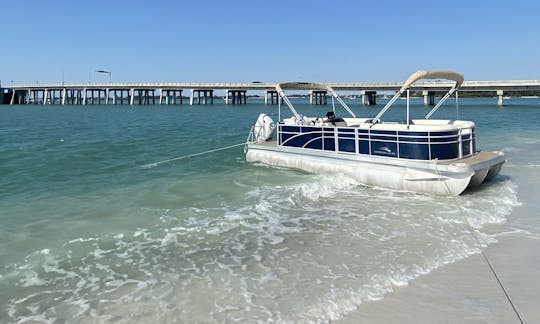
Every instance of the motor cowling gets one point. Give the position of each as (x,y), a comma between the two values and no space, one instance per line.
(263,128)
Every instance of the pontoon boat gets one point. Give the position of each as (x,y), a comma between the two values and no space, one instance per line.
(421,155)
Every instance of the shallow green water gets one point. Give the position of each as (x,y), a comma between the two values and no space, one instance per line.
(88,233)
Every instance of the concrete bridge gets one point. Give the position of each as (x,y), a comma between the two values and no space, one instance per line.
(235,93)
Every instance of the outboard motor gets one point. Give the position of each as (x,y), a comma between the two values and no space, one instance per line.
(263,128)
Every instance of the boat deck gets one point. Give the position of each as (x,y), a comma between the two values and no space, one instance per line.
(479,158)
(268,143)
(474,160)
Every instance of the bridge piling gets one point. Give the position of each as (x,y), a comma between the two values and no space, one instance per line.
(206,93)
(318,97)
(179,96)
(238,97)
(274,97)
(132,96)
(500,101)
(369,98)
(429,98)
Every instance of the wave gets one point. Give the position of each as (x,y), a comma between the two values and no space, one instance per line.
(310,250)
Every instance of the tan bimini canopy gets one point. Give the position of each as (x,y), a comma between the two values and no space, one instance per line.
(435,74)
(302,86)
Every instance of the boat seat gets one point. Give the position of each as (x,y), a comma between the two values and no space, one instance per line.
(404,122)
(331,118)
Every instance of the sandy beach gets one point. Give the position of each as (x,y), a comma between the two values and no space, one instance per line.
(467,291)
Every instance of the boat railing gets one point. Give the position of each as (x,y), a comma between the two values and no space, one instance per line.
(419,145)
(250,138)
(251,135)
(466,135)
(254,136)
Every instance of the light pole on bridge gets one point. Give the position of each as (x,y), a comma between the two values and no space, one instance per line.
(105,72)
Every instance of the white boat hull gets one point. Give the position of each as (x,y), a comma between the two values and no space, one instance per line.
(429,177)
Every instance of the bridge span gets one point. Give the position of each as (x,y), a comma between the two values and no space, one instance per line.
(235,93)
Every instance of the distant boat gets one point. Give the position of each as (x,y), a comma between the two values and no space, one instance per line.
(422,155)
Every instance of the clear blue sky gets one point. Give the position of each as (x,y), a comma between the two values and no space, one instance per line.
(214,41)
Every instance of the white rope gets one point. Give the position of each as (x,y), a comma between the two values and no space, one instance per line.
(499,281)
(501,285)
(153,165)
(440,176)
(485,257)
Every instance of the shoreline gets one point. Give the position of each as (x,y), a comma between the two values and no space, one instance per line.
(467,291)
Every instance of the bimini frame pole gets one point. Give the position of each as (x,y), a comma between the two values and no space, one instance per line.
(390,103)
(400,92)
(342,103)
(408,108)
(305,86)
(457,105)
(422,74)
(279,109)
(289,104)
(443,99)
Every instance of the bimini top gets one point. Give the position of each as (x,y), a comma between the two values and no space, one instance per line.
(302,86)
(434,74)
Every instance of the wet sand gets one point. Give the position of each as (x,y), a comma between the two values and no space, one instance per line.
(467,291)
